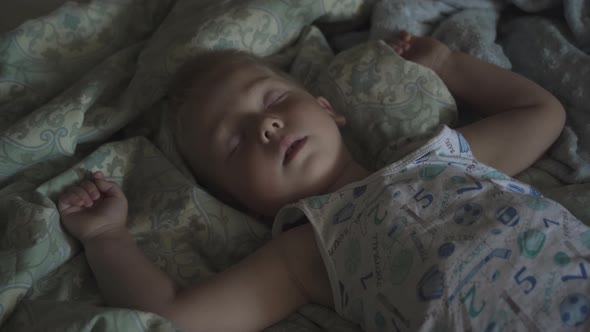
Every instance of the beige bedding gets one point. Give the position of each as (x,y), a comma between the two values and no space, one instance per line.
(82,89)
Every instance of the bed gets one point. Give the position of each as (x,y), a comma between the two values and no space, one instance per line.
(83,88)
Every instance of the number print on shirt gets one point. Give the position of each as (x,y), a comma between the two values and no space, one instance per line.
(471,295)
(549,221)
(582,275)
(521,279)
(419,197)
(477,186)
(474,186)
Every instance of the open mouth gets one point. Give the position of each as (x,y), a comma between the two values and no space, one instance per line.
(292,150)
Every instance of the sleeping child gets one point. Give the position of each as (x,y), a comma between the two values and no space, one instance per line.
(443,239)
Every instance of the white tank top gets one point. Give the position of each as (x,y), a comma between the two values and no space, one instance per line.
(440,242)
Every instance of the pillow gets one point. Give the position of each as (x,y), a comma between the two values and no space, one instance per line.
(390,103)
(262,27)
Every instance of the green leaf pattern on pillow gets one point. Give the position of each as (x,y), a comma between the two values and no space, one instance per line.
(388,102)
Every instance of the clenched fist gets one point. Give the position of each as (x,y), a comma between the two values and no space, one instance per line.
(94,208)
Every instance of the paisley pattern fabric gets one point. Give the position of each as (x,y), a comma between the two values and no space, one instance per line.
(83,89)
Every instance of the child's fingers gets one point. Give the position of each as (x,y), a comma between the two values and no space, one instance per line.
(72,197)
(65,208)
(69,199)
(405,36)
(402,43)
(66,200)
(109,188)
(91,189)
(81,193)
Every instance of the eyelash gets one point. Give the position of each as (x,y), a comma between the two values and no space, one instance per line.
(235,147)
(280,96)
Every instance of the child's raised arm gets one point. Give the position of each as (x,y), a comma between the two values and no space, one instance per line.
(262,289)
(521,119)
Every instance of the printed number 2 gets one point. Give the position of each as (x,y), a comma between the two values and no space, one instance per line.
(530,279)
(427,197)
(471,294)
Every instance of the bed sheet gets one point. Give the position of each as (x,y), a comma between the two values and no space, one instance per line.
(83,89)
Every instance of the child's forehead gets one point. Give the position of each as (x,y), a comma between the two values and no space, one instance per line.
(210,98)
(228,79)
(243,73)
(228,83)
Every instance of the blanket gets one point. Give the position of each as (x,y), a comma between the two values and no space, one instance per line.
(547,41)
(551,49)
(83,89)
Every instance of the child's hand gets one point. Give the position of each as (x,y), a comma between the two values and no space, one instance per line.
(93,208)
(520,118)
(425,51)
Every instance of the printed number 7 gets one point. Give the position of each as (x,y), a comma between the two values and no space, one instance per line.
(477,186)
(530,279)
(583,274)
(427,197)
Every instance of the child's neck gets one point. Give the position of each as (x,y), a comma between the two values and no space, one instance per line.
(350,172)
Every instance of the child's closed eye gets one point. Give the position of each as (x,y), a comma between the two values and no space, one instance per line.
(234,143)
(274,97)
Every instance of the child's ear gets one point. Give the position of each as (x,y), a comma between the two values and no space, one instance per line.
(325,104)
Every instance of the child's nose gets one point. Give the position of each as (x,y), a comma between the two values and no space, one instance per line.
(268,128)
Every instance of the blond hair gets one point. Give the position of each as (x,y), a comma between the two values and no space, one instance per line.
(190,82)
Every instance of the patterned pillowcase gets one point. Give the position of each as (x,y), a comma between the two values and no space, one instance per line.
(389,103)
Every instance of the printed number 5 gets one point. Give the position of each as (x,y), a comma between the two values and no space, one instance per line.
(530,279)
(427,197)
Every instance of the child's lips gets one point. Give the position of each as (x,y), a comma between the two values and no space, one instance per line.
(292,148)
